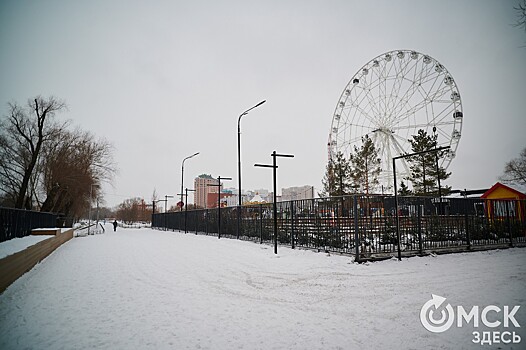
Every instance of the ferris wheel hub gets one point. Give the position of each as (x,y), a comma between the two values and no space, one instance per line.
(386,131)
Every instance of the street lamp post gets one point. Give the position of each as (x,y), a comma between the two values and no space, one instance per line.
(274,166)
(219,178)
(186,190)
(166,202)
(165,210)
(240,202)
(182,174)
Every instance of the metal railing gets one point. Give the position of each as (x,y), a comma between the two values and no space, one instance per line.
(365,226)
(19,223)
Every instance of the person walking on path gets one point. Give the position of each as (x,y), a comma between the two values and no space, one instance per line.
(115,226)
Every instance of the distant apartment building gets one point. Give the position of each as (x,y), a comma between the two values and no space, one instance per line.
(230,196)
(202,189)
(247,196)
(296,193)
(233,199)
(270,198)
(224,199)
(262,192)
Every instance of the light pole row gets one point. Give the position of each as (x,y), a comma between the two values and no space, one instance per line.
(240,196)
(240,202)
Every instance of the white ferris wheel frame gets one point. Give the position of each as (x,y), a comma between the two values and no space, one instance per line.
(389,99)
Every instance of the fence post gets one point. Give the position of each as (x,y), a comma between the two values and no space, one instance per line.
(419,227)
(356,234)
(261,224)
(185,219)
(466,224)
(292,223)
(336,223)
(195,221)
(509,223)
(206,221)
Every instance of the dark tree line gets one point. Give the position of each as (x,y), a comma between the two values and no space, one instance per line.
(134,210)
(46,166)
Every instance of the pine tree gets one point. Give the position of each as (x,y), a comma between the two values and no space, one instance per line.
(336,181)
(365,166)
(425,171)
(404,190)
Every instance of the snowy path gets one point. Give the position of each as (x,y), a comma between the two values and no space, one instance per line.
(147,289)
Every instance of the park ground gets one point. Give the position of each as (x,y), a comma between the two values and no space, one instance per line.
(150,289)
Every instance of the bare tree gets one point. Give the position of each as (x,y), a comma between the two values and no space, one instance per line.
(23,134)
(74,167)
(133,210)
(155,195)
(520,9)
(45,166)
(515,170)
(521,15)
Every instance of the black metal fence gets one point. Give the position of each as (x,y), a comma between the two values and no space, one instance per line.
(365,226)
(19,223)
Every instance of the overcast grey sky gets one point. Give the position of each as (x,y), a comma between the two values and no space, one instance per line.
(165,79)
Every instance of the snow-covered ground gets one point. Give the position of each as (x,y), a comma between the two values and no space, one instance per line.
(148,289)
(18,244)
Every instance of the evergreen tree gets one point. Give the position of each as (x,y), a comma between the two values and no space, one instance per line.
(404,190)
(365,166)
(425,171)
(336,181)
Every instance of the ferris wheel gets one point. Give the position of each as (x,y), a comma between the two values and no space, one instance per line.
(388,100)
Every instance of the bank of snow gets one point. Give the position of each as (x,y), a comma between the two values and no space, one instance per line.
(16,245)
(147,289)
